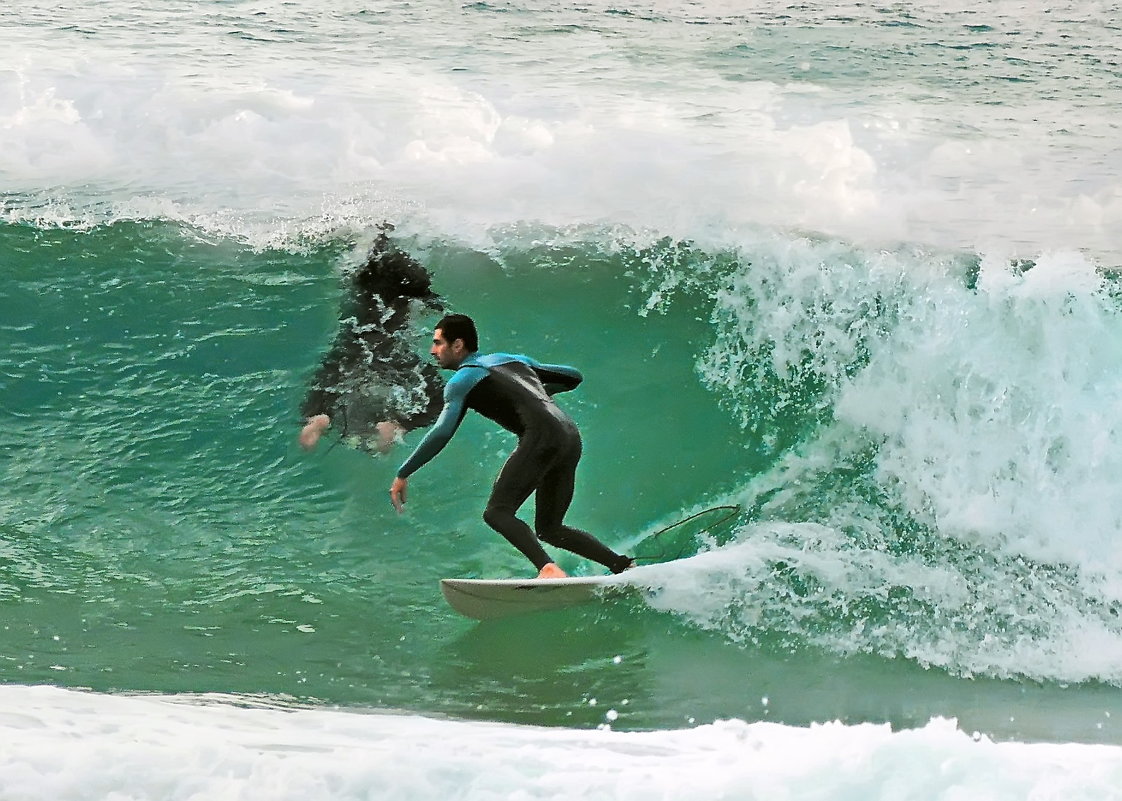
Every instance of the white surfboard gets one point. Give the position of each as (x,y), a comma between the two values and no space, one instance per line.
(487,599)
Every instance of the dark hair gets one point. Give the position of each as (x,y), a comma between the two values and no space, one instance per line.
(459,326)
(391,275)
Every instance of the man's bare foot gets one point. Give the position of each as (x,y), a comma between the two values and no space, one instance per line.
(313,430)
(552,571)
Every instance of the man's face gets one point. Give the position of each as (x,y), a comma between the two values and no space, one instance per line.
(447,354)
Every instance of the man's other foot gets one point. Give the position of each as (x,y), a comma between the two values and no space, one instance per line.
(552,571)
(625,563)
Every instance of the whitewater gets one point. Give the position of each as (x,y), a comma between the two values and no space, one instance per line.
(208,748)
(934,123)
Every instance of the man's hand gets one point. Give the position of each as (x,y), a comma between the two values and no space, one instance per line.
(397,493)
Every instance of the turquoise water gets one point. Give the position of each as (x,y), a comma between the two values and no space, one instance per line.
(852,269)
(164,533)
(167,533)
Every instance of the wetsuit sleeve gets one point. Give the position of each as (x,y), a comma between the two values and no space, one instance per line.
(556,377)
(455,406)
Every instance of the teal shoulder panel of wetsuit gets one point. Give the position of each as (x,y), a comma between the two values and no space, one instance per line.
(555,377)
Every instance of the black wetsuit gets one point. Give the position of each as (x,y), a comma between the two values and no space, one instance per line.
(515,391)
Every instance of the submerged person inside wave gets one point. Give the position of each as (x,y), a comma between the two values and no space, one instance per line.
(372,386)
(517,393)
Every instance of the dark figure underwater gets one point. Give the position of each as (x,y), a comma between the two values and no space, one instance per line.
(371,385)
(517,393)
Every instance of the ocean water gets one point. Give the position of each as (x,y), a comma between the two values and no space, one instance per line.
(852,268)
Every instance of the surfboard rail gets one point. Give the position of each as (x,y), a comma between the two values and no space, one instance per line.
(490,599)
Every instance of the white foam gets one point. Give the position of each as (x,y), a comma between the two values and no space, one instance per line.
(957,474)
(645,122)
(995,406)
(808,582)
(1000,409)
(62,744)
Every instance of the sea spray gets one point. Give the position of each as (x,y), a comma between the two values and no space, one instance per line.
(941,431)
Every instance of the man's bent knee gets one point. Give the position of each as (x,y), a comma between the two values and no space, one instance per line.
(497,516)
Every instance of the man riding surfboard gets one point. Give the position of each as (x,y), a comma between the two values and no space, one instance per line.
(516,392)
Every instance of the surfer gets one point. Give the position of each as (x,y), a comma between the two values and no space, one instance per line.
(371,384)
(515,392)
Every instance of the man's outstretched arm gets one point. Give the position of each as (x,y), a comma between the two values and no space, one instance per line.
(455,395)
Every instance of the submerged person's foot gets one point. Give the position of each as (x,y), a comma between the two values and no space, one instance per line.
(552,571)
(313,430)
(389,434)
